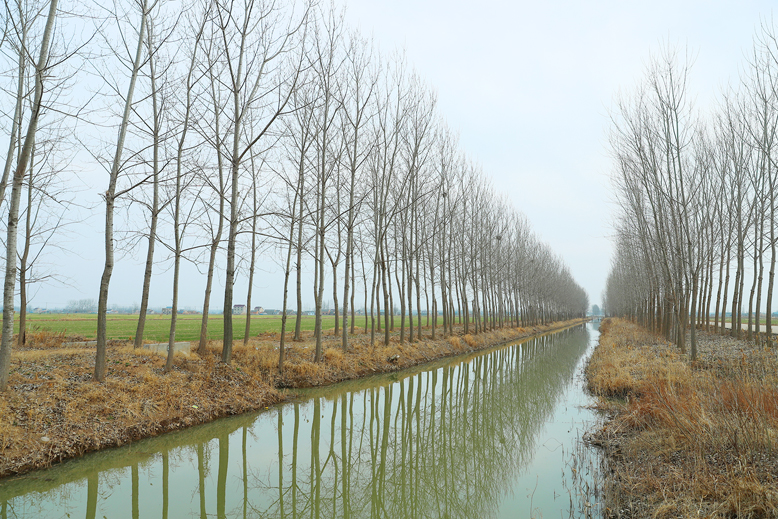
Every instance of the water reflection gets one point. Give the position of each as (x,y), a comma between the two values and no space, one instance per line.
(448,442)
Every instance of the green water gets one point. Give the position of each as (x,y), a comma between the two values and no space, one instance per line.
(488,435)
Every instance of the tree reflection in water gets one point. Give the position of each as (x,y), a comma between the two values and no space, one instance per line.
(447,442)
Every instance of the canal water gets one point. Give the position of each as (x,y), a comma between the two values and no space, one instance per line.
(493,434)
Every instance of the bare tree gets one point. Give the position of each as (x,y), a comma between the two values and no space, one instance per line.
(41,70)
(326,61)
(153,46)
(256,41)
(213,135)
(111,195)
(358,90)
(183,178)
(47,204)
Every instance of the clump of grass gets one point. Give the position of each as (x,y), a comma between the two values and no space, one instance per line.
(334,356)
(684,440)
(44,339)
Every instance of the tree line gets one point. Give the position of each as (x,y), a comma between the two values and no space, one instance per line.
(695,234)
(246,129)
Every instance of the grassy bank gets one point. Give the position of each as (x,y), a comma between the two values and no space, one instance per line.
(123,327)
(686,440)
(53,410)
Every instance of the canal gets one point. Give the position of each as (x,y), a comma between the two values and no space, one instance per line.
(493,434)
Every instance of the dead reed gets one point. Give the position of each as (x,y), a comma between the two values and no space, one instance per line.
(687,440)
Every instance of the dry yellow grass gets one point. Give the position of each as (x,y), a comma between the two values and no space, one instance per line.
(470,340)
(683,440)
(53,410)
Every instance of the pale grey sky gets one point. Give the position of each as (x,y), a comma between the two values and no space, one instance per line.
(528,86)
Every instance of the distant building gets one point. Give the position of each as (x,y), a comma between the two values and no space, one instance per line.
(258,310)
(239,310)
(167,311)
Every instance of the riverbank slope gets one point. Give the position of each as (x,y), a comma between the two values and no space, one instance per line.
(682,439)
(53,411)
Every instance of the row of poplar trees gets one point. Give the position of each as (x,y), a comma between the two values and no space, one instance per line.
(242,130)
(696,235)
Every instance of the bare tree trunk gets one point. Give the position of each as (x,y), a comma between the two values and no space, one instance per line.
(353,294)
(418,286)
(390,309)
(373,299)
(387,308)
(759,296)
(718,298)
(693,326)
(735,324)
(335,301)
(320,269)
(349,260)
(144,300)
(287,269)
(771,274)
(703,295)
(710,287)
(253,261)
(752,292)
(364,281)
(299,264)
(16,124)
(232,229)
(176,277)
(726,290)
(202,344)
(23,266)
(737,295)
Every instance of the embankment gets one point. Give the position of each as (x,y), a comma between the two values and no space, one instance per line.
(683,439)
(53,410)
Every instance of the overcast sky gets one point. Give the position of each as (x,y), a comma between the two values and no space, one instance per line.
(528,86)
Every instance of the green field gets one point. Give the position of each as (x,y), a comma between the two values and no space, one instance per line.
(158,326)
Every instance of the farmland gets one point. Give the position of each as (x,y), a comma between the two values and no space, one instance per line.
(158,326)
